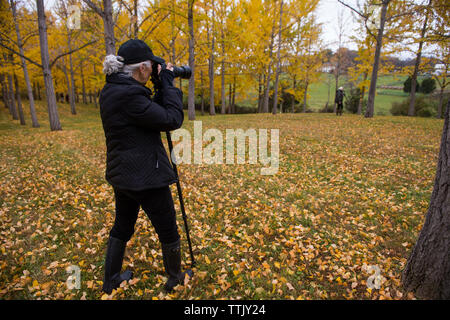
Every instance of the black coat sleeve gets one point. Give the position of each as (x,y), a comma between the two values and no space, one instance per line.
(165,114)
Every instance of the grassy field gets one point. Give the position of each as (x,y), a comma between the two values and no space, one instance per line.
(350,193)
(383,100)
(318,93)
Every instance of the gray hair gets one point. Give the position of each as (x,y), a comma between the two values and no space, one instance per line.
(113,64)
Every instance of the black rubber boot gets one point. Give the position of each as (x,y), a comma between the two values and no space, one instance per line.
(172,265)
(113,265)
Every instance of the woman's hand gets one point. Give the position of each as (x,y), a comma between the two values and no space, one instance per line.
(168,67)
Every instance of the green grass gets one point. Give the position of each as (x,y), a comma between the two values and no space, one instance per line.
(349,192)
(318,93)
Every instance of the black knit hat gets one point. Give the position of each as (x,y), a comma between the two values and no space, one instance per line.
(135,51)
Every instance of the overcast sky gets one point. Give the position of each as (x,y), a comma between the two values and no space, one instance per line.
(327,14)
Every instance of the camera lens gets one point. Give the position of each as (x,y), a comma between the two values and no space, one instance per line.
(183,72)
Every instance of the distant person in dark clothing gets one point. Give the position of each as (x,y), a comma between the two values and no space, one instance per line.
(137,165)
(339,99)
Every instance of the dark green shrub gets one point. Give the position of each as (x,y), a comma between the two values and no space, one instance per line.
(424,107)
(326,108)
(352,101)
(407,85)
(428,85)
(428,111)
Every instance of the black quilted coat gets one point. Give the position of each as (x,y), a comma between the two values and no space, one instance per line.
(132,121)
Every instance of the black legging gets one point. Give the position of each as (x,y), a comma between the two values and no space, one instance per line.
(157,204)
(340,106)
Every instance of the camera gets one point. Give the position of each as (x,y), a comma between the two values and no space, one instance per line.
(184,72)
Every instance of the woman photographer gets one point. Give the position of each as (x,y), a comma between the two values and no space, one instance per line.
(137,165)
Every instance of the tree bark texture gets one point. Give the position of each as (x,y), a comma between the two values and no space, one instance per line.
(427,271)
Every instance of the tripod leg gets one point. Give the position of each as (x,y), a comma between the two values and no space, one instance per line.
(180,196)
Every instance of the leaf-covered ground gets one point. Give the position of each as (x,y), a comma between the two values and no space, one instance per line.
(350,193)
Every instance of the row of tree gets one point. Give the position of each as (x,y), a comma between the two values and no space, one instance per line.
(230,45)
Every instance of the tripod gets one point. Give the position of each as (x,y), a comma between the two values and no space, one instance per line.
(180,195)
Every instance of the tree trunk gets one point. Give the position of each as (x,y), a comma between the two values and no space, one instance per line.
(66,76)
(4,91)
(51,99)
(19,101)
(222,93)
(329,88)
(259,93)
(135,19)
(265,105)
(233,105)
(277,73)
(108,23)
(95,99)
(427,271)
(294,84)
(34,120)
(336,87)
(412,95)
(12,99)
(191,90)
(305,97)
(38,88)
(373,80)
(441,101)
(72,76)
(212,110)
(83,86)
(228,109)
(361,97)
(202,107)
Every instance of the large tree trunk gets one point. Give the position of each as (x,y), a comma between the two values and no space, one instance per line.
(412,95)
(427,272)
(277,73)
(135,20)
(108,22)
(51,99)
(34,120)
(373,80)
(191,90)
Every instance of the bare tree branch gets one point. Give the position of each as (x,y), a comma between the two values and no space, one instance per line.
(94,7)
(71,51)
(20,55)
(354,10)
